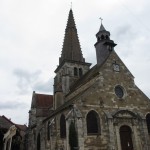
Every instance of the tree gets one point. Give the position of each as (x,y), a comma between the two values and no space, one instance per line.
(73,139)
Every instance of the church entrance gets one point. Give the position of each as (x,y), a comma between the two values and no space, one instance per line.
(126,138)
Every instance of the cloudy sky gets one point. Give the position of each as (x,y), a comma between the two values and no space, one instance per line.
(31,38)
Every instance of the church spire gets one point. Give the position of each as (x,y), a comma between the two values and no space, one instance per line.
(71,50)
(104,44)
(102,28)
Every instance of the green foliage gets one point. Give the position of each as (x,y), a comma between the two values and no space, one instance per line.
(73,139)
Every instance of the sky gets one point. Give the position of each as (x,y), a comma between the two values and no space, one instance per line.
(32,34)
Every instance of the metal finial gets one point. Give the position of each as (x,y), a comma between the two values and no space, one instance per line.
(101,19)
(71,5)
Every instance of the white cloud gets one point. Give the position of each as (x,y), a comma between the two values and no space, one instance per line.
(12,105)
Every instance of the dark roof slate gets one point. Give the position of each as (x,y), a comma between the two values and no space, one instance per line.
(71,47)
(102,28)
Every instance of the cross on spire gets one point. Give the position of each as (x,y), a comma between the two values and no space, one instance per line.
(101,27)
(101,19)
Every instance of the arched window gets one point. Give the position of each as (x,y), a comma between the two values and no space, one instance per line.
(148,122)
(93,123)
(80,72)
(75,71)
(102,37)
(48,131)
(107,37)
(62,126)
(38,142)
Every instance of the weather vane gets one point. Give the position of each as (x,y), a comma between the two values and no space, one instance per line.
(101,19)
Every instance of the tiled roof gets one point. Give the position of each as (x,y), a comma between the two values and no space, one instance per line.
(5,122)
(22,127)
(43,101)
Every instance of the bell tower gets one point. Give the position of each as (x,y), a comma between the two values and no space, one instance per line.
(72,65)
(104,45)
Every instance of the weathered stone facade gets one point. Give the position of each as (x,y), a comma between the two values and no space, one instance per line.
(106,107)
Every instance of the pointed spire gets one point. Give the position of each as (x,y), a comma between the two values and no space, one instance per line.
(102,28)
(102,32)
(71,22)
(71,47)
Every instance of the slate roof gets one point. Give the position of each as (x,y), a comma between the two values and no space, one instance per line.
(71,47)
(102,28)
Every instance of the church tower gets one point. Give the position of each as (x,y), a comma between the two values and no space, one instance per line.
(104,45)
(92,109)
(72,65)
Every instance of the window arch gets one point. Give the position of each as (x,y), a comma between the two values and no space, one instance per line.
(102,37)
(93,123)
(62,126)
(80,72)
(107,37)
(39,142)
(148,122)
(75,71)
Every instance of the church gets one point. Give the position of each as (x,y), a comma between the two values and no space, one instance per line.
(92,108)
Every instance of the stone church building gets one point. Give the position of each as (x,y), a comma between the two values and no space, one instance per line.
(98,108)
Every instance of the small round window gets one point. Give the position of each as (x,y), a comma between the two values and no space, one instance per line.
(119,91)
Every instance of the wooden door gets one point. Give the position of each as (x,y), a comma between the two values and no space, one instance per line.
(126,138)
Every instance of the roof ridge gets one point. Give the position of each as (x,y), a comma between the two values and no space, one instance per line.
(43,94)
(7,119)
